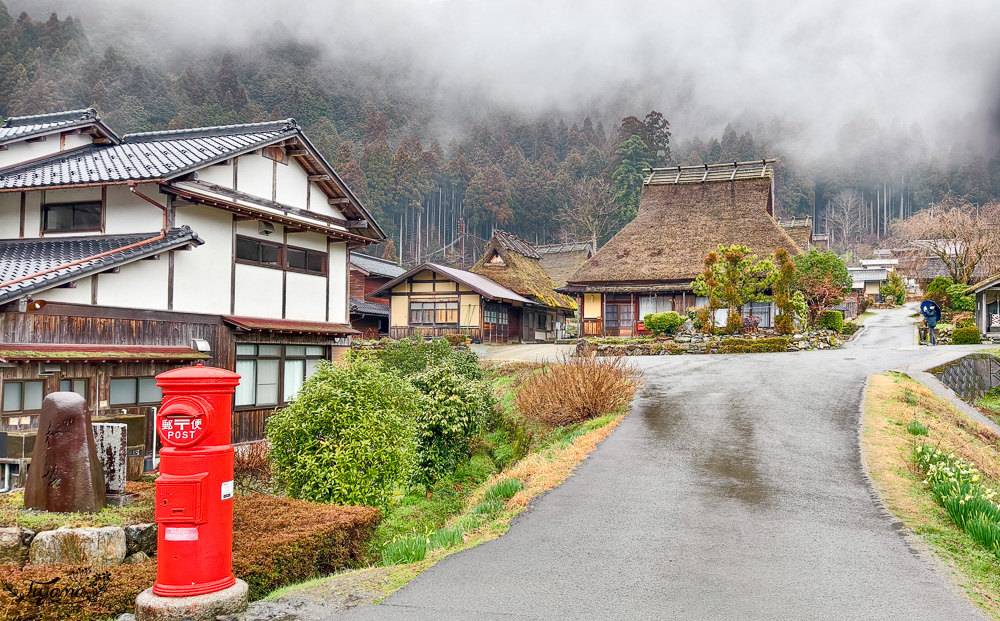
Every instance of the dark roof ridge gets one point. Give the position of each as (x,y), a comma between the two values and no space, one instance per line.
(183,229)
(288,125)
(53,117)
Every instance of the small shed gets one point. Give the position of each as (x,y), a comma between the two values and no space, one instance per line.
(987,294)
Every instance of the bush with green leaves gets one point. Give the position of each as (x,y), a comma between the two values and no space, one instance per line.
(753,346)
(895,287)
(663,323)
(413,355)
(457,410)
(937,290)
(831,320)
(966,336)
(958,300)
(349,436)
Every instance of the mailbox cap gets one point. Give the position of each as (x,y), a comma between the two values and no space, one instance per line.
(198,374)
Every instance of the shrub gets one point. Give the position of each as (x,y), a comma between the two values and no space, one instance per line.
(578,389)
(749,346)
(784,324)
(831,320)
(937,290)
(958,300)
(276,542)
(964,320)
(279,541)
(734,323)
(413,355)
(750,324)
(456,410)
(849,328)
(348,437)
(457,339)
(895,287)
(663,323)
(966,336)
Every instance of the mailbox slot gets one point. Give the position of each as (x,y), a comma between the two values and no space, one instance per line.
(180,498)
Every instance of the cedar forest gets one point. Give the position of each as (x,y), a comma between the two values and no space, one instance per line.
(546,177)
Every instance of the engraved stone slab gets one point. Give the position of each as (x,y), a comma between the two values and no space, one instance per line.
(112,451)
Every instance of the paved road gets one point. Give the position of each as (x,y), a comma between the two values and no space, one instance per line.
(733,491)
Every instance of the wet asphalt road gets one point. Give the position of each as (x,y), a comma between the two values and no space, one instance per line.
(734,491)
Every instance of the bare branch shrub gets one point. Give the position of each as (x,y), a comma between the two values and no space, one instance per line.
(578,389)
(251,468)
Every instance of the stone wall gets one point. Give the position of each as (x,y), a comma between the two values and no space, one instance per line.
(971,376)
(696,343)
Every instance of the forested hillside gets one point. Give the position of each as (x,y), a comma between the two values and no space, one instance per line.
(547,177)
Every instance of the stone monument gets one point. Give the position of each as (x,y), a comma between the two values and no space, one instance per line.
(65,474)
(112,452)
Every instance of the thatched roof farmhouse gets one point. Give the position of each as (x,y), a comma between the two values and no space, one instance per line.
(685,212)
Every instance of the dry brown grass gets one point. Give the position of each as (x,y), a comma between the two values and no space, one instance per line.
(578,389)
(252,468)
(891,402)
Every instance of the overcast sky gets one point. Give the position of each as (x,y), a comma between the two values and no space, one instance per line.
(700,63)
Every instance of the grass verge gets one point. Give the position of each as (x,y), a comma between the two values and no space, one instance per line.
(900,414)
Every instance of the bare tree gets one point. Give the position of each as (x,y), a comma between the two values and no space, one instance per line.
(962,236)
(590,210)
(845,216)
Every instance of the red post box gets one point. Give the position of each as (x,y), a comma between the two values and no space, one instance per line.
(194,492)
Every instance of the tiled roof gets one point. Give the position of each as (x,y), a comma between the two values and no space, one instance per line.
(865,274)
(509,241)
(29,265)
(758,169)
(480,284)
(375,266)
(364,307)
(21,127)
(148,156)
(293,326)
(53,352)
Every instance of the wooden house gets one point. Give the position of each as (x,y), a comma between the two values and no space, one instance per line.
(370,314)
(800,230)
(560,261)
(123,257)
(987,294)
(685,212)
(506,297)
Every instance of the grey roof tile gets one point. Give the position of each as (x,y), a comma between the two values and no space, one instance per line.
(376,266)
(21,127)
(146,156)
(364,307)
(28,265)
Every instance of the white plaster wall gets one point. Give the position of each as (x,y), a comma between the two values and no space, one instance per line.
(32,214)
(338,282)
(72,195)
(318,202)
(127,213)
(219,174)
(140,284)
(313,241)
(23,151)
(255,175)
(306,297)
(203,276)
(10,215)
(258,291)
(77,140)
(78,295)
(291,182)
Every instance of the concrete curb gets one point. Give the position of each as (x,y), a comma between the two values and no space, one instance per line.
(918,371)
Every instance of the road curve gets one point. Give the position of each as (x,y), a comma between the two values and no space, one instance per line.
(733,491)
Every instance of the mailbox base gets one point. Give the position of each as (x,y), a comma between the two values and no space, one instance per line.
(234,600)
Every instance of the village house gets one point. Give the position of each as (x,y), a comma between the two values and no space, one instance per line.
(987,294)
(866,282)
(800,230)
(123,257)
(370,314)
(506,297)
(685,212)
(560,261)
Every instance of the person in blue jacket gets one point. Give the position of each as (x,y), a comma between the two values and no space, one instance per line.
(932,315)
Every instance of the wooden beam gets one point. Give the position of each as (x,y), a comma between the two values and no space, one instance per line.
(297,153)
(357,224)
(319,177)
(339,201)
(37,139)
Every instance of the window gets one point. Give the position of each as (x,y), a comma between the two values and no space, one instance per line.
(79,386)
(273,374)
(495,314)
(434,313)
(65,217)
(23,396)
(134,391)
(649,304)
(250,250)
(270,254)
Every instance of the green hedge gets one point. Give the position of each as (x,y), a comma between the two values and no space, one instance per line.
(831,320)
(745,346)
(663,323)
(966,336)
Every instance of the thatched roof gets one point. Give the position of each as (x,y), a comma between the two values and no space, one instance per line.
(513,263)
(560,261)
(677,226)
(800,230)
